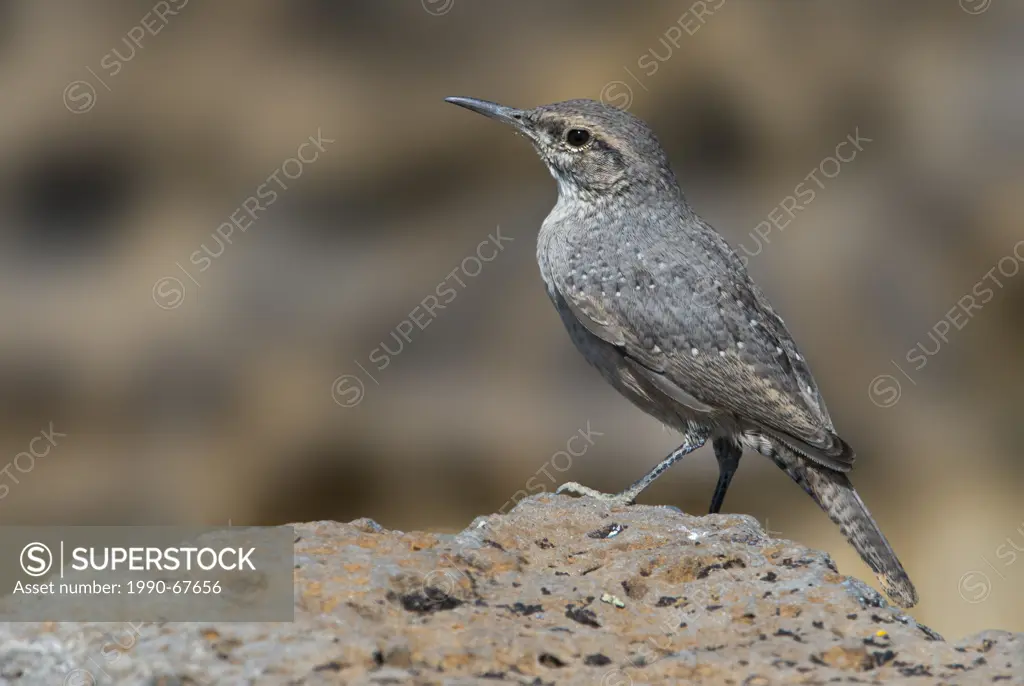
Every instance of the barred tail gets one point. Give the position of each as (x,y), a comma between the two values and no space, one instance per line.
(836,496)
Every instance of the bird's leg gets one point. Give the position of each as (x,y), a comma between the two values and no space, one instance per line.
(692,440)
(728,453)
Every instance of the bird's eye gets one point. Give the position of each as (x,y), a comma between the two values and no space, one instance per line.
(577,137)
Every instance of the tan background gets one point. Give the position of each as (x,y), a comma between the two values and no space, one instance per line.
(221,408)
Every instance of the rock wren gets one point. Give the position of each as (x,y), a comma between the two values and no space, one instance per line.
(659,303)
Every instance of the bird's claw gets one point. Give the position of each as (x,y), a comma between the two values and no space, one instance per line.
(573,488)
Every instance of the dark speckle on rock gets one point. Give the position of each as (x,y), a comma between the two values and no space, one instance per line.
(635,589)
(549,660)
(729,564)
(912,670)
(521,609)
(788,633)
(883,657)
(582,615)
(427,601)
(597,660)
(608,531)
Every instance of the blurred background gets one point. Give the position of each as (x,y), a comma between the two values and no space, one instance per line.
(296,366)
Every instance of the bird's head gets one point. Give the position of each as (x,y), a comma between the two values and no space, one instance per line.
(591,149)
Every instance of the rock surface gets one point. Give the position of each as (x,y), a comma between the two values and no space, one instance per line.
(558,591)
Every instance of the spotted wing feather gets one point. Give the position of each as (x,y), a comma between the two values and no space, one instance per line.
(715,340)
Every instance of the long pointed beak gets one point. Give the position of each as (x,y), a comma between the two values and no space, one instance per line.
(507,115)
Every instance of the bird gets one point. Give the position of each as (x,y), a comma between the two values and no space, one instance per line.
(661,305)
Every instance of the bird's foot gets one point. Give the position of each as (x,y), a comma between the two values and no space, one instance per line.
(573,488)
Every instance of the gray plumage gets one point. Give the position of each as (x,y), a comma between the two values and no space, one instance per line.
(659,303)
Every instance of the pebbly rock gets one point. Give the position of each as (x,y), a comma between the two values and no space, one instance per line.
(558,591)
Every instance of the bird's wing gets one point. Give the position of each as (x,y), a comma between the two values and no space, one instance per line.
(713,340)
